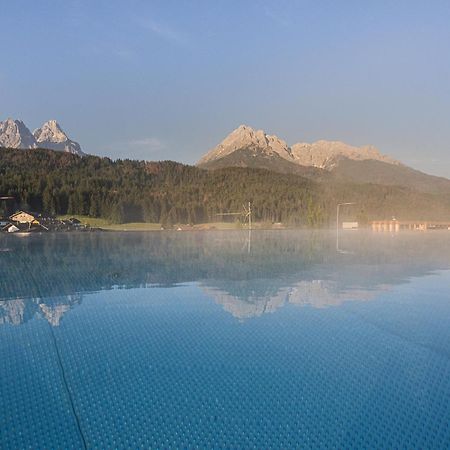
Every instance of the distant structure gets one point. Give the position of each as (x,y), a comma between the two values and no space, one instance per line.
(413,225)
(24,217)
(26,222)
(246,213)
(350,225)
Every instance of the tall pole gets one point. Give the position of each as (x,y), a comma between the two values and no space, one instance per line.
(337,217)
(337,212)
(337,227)
(249,228)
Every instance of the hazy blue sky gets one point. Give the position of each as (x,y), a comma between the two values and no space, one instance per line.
(169,79)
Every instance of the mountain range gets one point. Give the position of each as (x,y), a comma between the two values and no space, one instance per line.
(321,154)
(245,147)
(332,161)
(15,134)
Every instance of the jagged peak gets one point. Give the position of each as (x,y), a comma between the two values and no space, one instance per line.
(52,124)
(15,134)
(50,130)
(15,123)
(244,137)
(246,132)
(324,154)
(11,120)
(243,126)
(51,135)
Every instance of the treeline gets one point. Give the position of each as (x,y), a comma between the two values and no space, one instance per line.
(170,193)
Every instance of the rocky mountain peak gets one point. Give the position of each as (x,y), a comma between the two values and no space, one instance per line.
(50,131)
(326,154)
(52,136)
(253,145)
(249,139)
(15,134)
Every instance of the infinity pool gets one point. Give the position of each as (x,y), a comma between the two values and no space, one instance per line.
(279,339)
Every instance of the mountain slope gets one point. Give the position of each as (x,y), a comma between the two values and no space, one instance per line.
(326,154)
(320,154)
(379,172)
(254,142)
(52,137)
(259,160)
(325,161)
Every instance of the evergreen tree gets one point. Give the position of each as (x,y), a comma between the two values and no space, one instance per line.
(171,193)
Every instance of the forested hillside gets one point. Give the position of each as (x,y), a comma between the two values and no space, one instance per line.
(170,193)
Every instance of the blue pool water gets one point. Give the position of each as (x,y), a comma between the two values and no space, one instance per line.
(218,340)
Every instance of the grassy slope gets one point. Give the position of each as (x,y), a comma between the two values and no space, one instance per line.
(378,172)
(107,225)
(209,226)
(143,226)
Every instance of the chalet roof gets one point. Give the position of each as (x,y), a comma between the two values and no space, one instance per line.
(23,212)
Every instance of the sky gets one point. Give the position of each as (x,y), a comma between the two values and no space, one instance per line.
(170,79)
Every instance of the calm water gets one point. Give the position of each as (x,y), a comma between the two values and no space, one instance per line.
(202,340)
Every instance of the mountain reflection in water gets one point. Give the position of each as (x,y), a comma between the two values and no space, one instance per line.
(47,275)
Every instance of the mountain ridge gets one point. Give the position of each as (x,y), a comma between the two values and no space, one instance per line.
(326,154)
(331,161)
(50,135)
(321,154)
(15,134)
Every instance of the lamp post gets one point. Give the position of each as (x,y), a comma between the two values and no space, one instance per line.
(337,211)
(337,220)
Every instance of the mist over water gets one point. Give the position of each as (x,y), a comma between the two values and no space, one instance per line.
(236,339)
(309,267)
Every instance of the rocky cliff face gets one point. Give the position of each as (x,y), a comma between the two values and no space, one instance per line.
(320,154)
(326,154)
(15,134)
(51,136)
(255,142)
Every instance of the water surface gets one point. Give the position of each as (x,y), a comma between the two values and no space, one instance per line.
(275,340)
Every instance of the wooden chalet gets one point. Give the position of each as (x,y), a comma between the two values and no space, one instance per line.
(24,217)
(25,222)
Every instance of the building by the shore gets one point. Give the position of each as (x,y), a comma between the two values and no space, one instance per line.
(411,225)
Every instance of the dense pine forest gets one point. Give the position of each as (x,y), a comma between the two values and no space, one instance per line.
(169,193)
